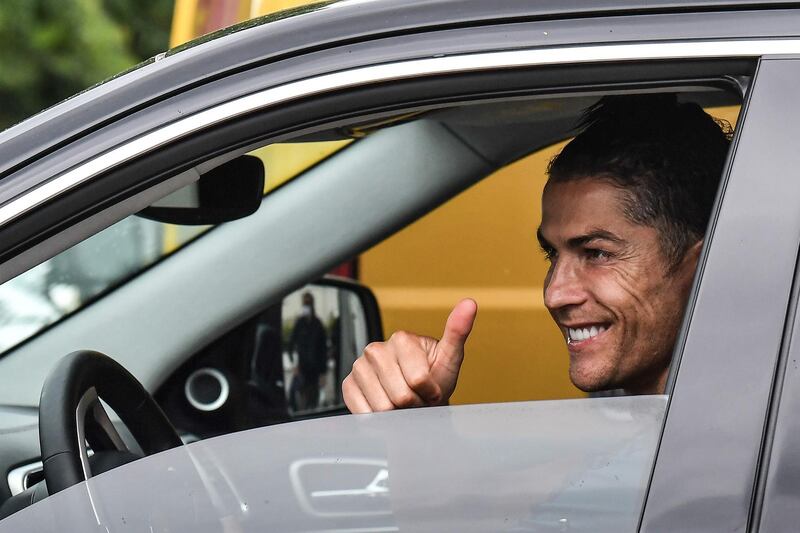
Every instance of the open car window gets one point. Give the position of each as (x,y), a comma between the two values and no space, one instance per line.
(492,258)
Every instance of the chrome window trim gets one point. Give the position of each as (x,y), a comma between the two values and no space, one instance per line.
(383,73)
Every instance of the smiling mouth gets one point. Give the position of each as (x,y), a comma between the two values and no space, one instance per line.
(581,334)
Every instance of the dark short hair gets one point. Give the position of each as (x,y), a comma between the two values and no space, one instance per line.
(667,156)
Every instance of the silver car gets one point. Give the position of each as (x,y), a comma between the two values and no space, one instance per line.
(175,244)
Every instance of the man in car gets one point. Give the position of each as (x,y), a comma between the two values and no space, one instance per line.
(624,213)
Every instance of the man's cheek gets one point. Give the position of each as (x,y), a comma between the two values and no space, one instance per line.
(626,289)
(609,287)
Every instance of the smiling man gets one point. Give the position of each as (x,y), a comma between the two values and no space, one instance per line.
(624,212)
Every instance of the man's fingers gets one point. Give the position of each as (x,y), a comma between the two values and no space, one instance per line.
(366,379)
(417,376)
(353,399)
(388,365)
(400,392)
(409,370)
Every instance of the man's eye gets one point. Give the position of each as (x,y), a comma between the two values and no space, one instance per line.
(549,253)
(597,254)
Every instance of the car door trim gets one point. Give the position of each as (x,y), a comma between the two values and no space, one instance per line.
(384,73)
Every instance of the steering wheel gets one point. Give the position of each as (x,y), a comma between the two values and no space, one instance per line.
(70,414)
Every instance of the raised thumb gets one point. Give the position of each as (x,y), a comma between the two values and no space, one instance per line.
(450,349)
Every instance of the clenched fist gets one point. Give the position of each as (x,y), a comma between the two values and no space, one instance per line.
(409,370)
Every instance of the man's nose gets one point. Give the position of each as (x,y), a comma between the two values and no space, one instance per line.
(564,286)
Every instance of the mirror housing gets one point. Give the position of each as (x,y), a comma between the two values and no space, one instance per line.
(230,191)
(364,296)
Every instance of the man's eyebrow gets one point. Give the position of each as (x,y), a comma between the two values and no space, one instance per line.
(594,235)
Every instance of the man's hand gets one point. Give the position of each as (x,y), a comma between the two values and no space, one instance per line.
(409,370)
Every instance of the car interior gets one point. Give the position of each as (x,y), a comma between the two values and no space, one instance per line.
(201,310)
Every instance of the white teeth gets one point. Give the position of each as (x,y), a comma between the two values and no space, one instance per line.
(581,334)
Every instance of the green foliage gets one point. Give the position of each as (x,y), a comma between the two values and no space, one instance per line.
(145,24)
(51,49)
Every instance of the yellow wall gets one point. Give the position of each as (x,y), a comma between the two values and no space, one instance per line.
(483,245)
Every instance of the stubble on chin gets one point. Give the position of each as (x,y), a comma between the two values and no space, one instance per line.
(588,378)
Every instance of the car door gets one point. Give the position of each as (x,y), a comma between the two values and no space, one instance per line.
(60,197)
(709,455)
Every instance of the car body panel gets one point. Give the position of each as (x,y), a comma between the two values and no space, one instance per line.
(532,466)
(715,426)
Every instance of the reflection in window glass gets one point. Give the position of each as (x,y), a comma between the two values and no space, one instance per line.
(81,274)
(323,331)
(285,161)
(70,280)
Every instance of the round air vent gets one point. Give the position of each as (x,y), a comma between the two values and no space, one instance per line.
(207,389)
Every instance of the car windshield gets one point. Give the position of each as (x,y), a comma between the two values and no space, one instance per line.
(87,271)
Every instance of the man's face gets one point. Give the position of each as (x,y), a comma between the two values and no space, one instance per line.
(609,288)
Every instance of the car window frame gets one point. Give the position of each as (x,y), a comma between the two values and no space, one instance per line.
(88,188)
(336,42)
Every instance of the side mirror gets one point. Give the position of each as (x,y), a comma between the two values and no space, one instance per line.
(325,327)
(278,366)
(230,191)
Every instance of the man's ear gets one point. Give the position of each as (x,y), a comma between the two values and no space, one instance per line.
(689,262)
(694,251)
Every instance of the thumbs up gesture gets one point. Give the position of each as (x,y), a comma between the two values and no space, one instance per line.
(410,370)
